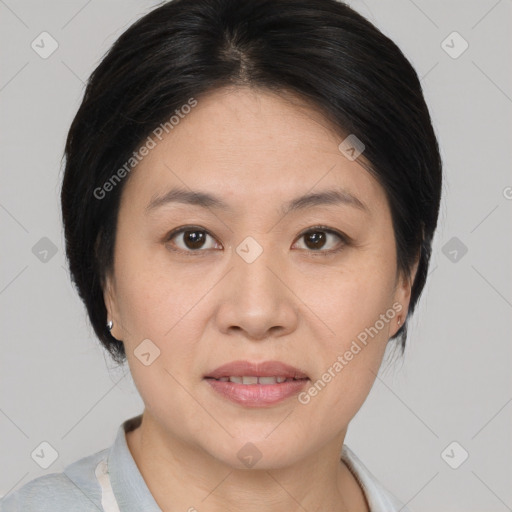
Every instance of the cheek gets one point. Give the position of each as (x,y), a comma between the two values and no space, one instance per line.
(358,316)
(162,305)
(352,298)
(150,297)
(160,310)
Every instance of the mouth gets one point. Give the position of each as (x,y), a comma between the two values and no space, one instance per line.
(253,379)
(256,384)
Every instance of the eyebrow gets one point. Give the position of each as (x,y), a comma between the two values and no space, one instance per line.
(207,200)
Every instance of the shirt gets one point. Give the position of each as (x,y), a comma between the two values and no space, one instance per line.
(110,481)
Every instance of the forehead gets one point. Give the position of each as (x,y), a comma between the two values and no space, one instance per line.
(251,145)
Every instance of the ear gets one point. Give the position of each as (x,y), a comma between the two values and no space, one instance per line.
(402,295)
(109,296)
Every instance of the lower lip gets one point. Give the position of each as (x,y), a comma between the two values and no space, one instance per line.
(257,395)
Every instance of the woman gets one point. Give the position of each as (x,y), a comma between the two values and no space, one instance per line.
(250,196)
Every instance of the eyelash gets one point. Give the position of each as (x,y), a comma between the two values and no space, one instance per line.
(345,240)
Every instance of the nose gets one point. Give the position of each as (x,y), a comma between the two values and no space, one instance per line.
(257,298)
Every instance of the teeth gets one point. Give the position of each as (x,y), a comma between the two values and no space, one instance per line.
(254,380)
(267,380)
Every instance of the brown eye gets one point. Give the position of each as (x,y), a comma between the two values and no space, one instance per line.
(317,239)
(190,239)
(194,239)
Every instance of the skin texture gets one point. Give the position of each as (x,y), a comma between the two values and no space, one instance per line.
(205,307)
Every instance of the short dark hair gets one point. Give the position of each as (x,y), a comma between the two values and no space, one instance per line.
(320,50)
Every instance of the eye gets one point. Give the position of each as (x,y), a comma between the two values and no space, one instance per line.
(192,239)
(317,238)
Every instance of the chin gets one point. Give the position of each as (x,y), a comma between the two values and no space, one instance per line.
(257,453)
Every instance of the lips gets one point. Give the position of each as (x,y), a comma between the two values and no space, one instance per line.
(256,384)
(259,370)
(252,379)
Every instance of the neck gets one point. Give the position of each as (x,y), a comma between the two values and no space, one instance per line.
(184,477)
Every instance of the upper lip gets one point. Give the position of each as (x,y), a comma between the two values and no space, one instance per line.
(261,369)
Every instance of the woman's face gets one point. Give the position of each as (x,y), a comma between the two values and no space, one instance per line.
(313,286)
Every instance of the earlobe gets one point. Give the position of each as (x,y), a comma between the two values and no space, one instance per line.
(108,298)
(403,296)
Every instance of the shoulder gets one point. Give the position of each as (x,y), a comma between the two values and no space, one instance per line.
(75,488)
(52,492)
(378,497)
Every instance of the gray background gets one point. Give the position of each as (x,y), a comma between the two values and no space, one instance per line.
(57,385)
